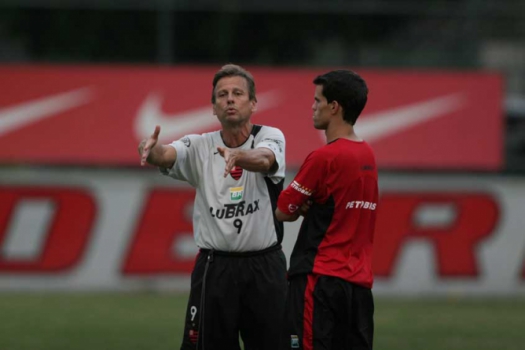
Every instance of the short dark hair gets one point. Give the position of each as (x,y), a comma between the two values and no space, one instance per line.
(233,70)
(348,89)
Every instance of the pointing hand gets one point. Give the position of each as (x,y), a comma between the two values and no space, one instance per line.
(230,157)
(146,145)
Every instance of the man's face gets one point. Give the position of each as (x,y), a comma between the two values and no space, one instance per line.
(232,101)
(321,109)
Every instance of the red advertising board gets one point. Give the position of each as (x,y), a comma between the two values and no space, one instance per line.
(150,250)
(123,230)
(85,115)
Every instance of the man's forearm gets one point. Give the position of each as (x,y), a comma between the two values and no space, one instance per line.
(256,160)
(279,215)
(162,156)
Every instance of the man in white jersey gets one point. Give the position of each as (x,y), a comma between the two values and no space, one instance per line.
(238,285)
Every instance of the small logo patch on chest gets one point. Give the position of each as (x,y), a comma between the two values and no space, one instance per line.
(236,172)
(236,193)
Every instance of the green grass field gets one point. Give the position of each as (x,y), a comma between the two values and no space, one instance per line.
(154,321)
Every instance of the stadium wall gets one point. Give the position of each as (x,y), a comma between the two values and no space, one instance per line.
(66,229)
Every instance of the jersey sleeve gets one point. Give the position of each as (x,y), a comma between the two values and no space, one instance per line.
(305,184)
(188,166)
(273,139)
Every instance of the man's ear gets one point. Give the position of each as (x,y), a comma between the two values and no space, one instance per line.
(254,105)
(334,106)
(214,110)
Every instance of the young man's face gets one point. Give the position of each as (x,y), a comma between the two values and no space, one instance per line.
(232,101)
(321,109)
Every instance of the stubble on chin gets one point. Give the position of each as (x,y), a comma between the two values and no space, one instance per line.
(317,125)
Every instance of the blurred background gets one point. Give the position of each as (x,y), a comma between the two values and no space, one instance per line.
(96,252)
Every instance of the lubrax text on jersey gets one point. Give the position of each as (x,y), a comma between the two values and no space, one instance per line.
(234,210)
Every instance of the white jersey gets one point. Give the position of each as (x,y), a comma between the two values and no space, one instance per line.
(236,213)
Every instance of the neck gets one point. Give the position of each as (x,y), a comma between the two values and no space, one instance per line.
(341,130)
(234,136)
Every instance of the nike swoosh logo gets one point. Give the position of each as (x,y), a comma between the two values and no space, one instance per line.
(382,124)
(177,125)
(16,117)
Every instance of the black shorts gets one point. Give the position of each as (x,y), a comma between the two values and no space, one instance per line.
(324,312)
(243,295)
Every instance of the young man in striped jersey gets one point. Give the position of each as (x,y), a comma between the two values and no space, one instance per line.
(238,285)
(330,303)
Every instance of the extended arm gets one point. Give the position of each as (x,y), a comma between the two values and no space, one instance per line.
(155,154)
(260,160)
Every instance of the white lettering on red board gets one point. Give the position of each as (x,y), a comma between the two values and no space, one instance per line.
(467,220)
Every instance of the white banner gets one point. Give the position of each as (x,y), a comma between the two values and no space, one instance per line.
(90,229)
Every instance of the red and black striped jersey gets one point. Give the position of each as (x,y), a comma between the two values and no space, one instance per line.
(337,233)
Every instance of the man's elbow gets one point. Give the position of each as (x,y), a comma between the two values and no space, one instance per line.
(268,162)
(279,215)
(265,165)
(272,167)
